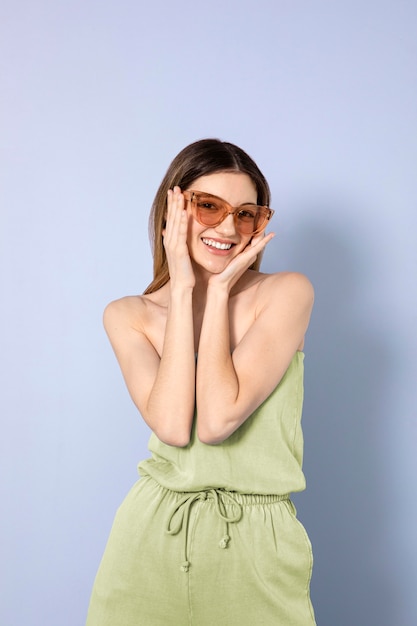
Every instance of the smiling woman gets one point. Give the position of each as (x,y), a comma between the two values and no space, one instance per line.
(223,231)
(199,159)
(226,437)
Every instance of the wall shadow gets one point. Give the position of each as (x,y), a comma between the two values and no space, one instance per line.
(347,367)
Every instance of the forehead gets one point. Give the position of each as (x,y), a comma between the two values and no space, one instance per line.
(235,187)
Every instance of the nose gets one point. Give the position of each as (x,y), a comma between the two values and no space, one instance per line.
(227,226)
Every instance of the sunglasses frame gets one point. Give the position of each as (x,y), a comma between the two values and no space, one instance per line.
(230,210)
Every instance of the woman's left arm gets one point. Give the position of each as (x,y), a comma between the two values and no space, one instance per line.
(230,387)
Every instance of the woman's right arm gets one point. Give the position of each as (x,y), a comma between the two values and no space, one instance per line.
(162,387)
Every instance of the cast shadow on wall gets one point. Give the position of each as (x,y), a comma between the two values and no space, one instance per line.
(346,370)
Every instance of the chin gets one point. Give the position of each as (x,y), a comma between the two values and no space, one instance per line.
(213,267)
(216,266)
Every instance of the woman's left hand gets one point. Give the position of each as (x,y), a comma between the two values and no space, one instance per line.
(238,266)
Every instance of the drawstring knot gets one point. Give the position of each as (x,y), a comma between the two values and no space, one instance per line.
(182,508)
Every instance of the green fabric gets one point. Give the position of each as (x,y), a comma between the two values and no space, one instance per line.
(209,536)
(258,574)
(263,456)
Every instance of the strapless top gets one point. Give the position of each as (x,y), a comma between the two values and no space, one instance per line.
(263,456)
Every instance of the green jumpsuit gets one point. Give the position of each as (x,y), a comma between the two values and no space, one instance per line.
(209,536)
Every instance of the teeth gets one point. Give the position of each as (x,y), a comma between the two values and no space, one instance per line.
(217,244)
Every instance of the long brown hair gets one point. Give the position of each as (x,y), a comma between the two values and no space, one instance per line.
(200,158)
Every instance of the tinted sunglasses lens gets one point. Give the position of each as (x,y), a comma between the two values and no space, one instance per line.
(251,220)
(209,210)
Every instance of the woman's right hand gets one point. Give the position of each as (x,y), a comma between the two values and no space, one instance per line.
(175,241)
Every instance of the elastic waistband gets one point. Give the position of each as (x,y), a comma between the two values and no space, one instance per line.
(225,496)
(244,499)
(251,499)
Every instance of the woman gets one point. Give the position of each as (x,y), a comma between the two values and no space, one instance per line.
(212,358)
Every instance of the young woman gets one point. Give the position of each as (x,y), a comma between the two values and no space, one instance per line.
(212,358)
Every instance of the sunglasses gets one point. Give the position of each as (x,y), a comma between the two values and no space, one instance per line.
(209,210)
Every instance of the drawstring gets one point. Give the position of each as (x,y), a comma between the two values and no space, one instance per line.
(183,506)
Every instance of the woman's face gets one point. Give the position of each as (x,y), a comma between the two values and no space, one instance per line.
(204,241)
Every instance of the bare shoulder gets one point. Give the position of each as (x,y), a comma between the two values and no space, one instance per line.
(284,303)
(136,312)
(128,317)
(129,311)
(285,287)
(288,282)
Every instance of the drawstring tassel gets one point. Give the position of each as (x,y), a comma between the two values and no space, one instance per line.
(224,542)
(179,516)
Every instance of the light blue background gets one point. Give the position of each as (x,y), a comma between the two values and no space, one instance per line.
(97,97)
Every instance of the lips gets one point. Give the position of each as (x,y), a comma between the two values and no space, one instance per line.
(218,245)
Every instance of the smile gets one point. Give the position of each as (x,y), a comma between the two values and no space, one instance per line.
(217,244)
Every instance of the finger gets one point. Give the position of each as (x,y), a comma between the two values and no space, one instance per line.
(178,199)
(174,206)
(176,222)
(255,247)
(170,228)
(260,242)
(180,212)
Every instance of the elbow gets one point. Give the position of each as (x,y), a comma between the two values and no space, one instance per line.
(212,434)
(174,430)
(210,440)
(176,439)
